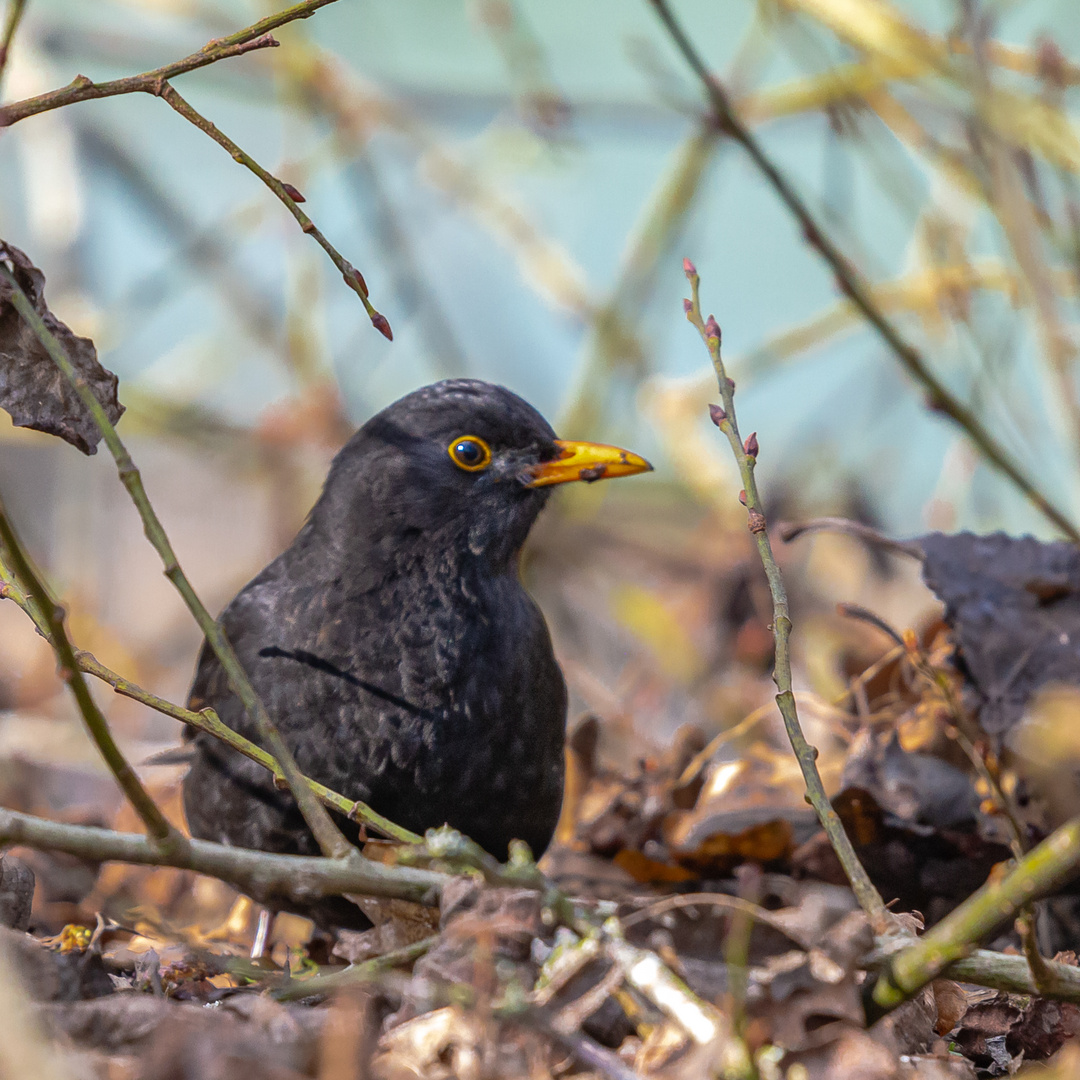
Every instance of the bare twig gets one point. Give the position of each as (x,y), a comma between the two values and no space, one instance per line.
(574,1013)
(1011,973)
(792,530)
(852,284)
(746,457)
(15,11)
(288,195)
(871,618)
(205,720)
(1041,871)
(700,1019)
(156,82)
(734,904)
(356,975)
(164,834)
(260,874)
(81,88)
(330,839)
(596,1058)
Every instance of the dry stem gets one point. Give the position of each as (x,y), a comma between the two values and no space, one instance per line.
(356,975)
(790,531)
(1012,974)
(867,895)
(349,273)
(259,874)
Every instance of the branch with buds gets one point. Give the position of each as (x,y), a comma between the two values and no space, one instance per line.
(157,82)
(746,455)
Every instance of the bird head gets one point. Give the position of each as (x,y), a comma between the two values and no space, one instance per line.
(461,466)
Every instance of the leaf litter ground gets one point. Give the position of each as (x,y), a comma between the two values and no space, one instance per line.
(704,850)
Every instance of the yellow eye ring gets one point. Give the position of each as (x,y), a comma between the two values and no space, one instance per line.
(470,452)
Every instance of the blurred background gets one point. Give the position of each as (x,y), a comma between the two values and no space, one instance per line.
(518,183)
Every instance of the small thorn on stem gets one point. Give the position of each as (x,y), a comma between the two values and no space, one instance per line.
(751,445)
(717,415)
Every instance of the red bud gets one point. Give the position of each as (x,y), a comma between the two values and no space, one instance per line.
(751,445)
(742,497)
(731,385)
(688,306)
(712,328)
(292,192)
(382,325)
(689,269)
(717,415)
(359,279)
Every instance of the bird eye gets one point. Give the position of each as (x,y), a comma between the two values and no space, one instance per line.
(470,453)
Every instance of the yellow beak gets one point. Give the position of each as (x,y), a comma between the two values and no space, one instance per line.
(585,461)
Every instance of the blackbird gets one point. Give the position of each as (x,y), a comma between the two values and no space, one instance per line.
(393,643)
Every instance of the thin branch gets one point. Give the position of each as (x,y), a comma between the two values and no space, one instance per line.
(330,839)
(260,874)
(287,194)
(792,530)
(1011,973)
(940,398)
(15,11)
(205,720)
(81,88)
(1039,873)
(871,618)
(165,835)
(734,904)
(746,457)
(156,82)
(356,974)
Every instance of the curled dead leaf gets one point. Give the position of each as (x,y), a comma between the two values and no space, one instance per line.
(32,388)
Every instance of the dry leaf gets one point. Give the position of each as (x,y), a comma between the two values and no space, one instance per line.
(32,388)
